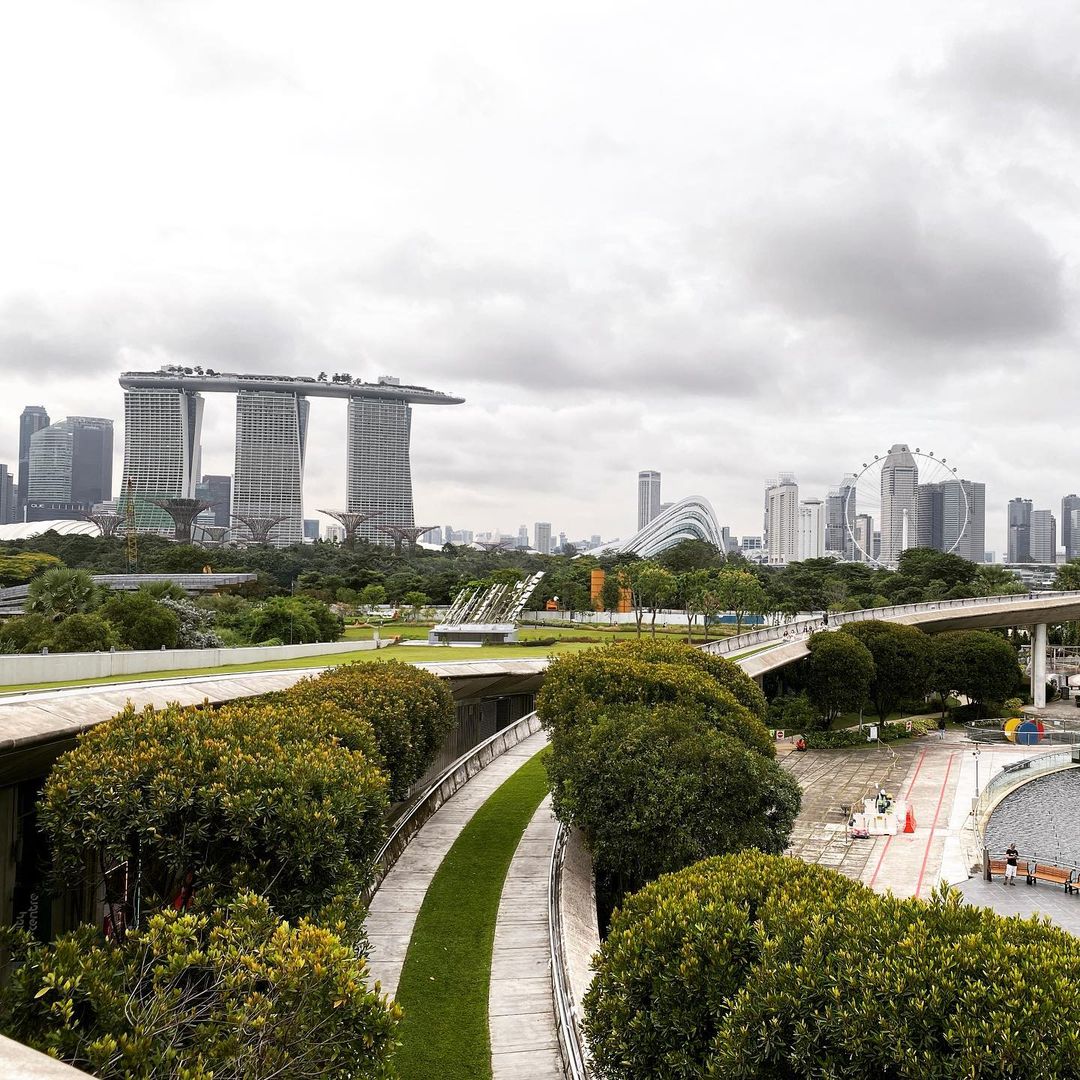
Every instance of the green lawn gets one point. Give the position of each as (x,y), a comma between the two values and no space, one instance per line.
(445,981)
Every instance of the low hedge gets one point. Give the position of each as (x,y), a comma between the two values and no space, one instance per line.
(254,796)
(409,710)
(235,994)
(757,967)
(889,732)
(578,686)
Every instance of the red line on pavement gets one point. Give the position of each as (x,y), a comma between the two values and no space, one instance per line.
(922,758)
(933,826)
(907,798)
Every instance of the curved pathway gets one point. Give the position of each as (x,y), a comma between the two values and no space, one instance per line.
(521,1013)
(394,907)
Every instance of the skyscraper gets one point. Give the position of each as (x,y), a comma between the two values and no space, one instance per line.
(268,478)
(930,517)
(811,529)
(899,496)
(1043,537)
(864,537)
(8,498)
(217,491)
(782,519)
(70,468)
(966,538)
(1019,550)
(378,472)
(542,537)
(840,511)
(162,450)
(34,418)
(648,497)
(1069,540)
(522,537)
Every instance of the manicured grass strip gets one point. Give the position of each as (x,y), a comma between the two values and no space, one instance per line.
(444,984)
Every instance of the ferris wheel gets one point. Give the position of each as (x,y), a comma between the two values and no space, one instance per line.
(906,498)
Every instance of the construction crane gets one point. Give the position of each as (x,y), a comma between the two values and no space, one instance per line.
(130,529)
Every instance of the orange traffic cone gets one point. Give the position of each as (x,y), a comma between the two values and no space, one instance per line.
(909,820)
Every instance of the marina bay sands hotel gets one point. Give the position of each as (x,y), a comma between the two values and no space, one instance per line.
(162,444)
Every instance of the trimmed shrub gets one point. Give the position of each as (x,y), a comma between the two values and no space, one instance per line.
(409,710)
(283,798)
(232,995)
(727,673)
(654,790)
(754,966)
(579,686)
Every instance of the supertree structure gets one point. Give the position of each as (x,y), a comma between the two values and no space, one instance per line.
(183,512)
(401,534)
(351,520)
(258,526)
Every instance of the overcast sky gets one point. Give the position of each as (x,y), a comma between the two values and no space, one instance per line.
(716,239)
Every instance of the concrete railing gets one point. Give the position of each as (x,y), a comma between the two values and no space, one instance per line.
(775,634)
(449,781)
(18,1062)
(20,670)
(573,937)
(1015,775)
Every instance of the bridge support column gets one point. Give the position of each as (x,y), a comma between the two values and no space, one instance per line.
(1038,665)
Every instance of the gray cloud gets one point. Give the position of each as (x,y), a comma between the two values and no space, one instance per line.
(889,265)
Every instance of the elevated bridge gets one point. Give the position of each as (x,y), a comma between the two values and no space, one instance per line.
(761,651)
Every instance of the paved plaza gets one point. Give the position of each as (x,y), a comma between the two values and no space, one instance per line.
(937,777)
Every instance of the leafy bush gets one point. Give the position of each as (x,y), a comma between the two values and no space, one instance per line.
(794,713)
(727,673)
(19,568)
(25,634)
(653,790)
(409,710)
(753,966)
(296,620)
(541,642)
(834,740)
(83,633)
(283,798)
(579,686)
(195,628)
(233,995)
(141,621)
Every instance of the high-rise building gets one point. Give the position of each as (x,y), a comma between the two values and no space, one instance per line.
(334,534)
(542,537)
(752,543)
(840,511)
(311,529)
(8,497)
(930,517)
(378,476)
(433,536)
(782,519)
(864,537)
(70,468)
(162,450)
(1019,550)
(217,491)
(811,529)
(271,445)
(648,496)
(1070,541)
(964,532)
(33,418)
(1043,537)
(522,537)
(899,496)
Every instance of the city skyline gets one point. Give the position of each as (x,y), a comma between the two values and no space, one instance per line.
(741,264)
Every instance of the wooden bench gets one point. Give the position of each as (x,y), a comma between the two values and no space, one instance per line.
(997,867)
(1055,875)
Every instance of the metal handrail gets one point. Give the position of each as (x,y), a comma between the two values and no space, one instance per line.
(433,796)
(775,633)
(570,1044)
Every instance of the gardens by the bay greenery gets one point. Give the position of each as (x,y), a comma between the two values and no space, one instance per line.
(301,592)
(230,846)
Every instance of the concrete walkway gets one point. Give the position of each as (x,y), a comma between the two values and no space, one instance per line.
(521,1014)
(395,906)
(937,778)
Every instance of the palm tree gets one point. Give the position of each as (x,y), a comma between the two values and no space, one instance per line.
(991,580)
(61,592)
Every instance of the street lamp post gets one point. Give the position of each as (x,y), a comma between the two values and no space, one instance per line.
(975,754)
